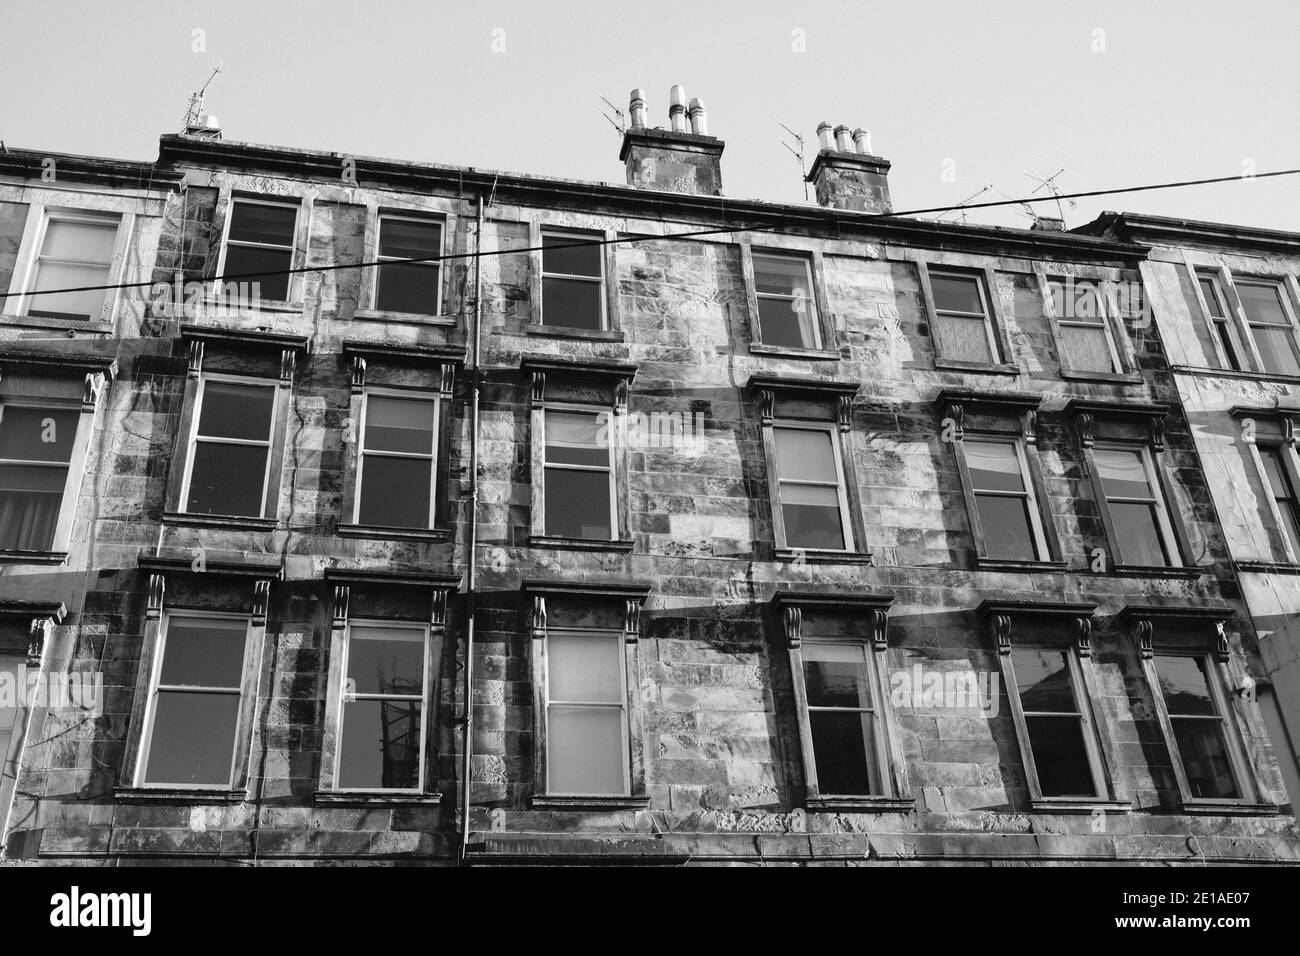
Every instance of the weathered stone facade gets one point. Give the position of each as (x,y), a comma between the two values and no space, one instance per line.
(713,610)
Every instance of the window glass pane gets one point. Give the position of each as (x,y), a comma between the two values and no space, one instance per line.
(578,438)
(812,517)
(1005,523)
(399,424)
(1086,349)
(395,492)
(407,287)
(585,750)
(954,293)
(585,667)
(385,660)
(1139,535)
(1209,289)
(1183,683)
(803,455)
(778,275)
(994,465)
(30,500)
(577,504)
(1225,340)
(203,652)
(270,225)
(1261,303)
(1077,302)
(1278,484)
(244,263)
(227,480)
(1060,756)
(37,434)
(1044,680)
(193,738)
(233,410)
(379,745)
(573,303)
(791,323)
(408,239)
(576,260)
(844,751)
(963,340)
(87,241)
(1123,473)
(1205,758)
(63,275)
(836,676)
(1277,349)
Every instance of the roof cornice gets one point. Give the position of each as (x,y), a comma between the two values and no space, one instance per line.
(93,170)
(1166,231)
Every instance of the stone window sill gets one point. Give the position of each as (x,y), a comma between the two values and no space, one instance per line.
(387,798)
(978,367)
(1137,571)
(236,306)
(848,804)
(568,332)
(1079,805)
(17,556)
(590,803)
(64,325)
(813,556)
(1230,808)
(1269,567)
(233,522)
(784,351)
(409,318)
(393,534)
(1121,378)
(1002,564)
(1234,373)
(577,544)
(179,795)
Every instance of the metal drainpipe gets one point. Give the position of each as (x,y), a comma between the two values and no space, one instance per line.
(475,388)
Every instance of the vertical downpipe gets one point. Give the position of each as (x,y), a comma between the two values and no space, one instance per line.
(470,597)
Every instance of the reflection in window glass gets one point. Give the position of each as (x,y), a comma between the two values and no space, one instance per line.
(572,281)
(1131,499)
(578,474)
(1003,499)
(787,312)
(1054,722)
(1199,728)
(811,493)
(402,286)
(231,452)
(395,480)
(842,718)
(35,451)
(381,726)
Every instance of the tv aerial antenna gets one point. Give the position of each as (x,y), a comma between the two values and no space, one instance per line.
(960,207)
(1049,183)
(194,114)
(796,153)
(614,116)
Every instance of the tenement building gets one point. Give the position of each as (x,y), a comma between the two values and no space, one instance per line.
(374,511)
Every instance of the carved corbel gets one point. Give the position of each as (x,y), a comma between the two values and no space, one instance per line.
(94,388)
(1029,426)
(339,606)
(447,379)
(955,412)
(620,396)
(195,359)
(261,599)
(1157,432)
(879,629)
(766,403)
(288,364)
(538,625)
(1083,636)
(632,621)
(1144,631)
(792,621)
(539,387)
(358,374)
(36,638)
(845,416)
(1001,627)
(154,600)
(1221,642)
(1084,422)
(1288,430)
(438,612)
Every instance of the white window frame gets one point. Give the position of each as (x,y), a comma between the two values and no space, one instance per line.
(194,437)
(990,334)
(1083,711)
(226,241)
(1169,543)
(618,638)
(846,522)
(879,768)
(1286,463)
(1042,551)
(25,268)
(75,466)
(343,697)
(1279,287)
(1106,322)
(612,422)
(151,712)
(599,280)
(757,254)
(1221,327)
(380,218)
(408,395)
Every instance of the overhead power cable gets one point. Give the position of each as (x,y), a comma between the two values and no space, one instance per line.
(768,226)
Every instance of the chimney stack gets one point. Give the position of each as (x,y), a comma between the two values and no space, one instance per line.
(846,174)
(683,158)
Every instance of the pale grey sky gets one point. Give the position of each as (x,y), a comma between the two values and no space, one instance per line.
(1119,93)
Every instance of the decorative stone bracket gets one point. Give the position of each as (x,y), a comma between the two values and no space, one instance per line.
(791,605)
(1087,414)
(999,616)
(955,404)
(1143,620)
